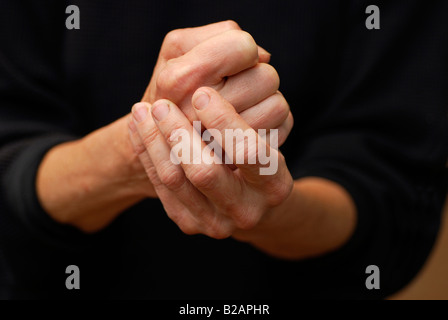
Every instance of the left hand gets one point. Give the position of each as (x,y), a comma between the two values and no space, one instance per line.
(210,198)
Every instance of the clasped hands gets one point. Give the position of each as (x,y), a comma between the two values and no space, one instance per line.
(215,74)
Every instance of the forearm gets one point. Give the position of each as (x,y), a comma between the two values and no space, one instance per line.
(318,217)
(88,182)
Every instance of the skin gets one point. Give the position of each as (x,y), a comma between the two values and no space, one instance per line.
(89,182)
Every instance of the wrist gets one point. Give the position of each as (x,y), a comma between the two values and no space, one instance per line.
(318,217)
(272,222)
(120,165)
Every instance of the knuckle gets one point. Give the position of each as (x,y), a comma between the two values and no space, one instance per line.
(281,158)
(166,79)
(290,120)
(247,41)
(271,75)
(174,78)
(219,230)
(231,25)
(172,132)
(285,128)
(172,44)
(219,235)
(150,137)
(246,48)
(188,229)
(282,135)
(203,177)
(246,219)
(282,108)
(278,192)
(172,37)
(139,148)
(171,176)
(175,216)
(246,147)
(221,121)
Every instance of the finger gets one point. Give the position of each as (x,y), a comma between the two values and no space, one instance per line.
(146,136)
(267,114)
(283,130)
(263,55)
(214,180)
(172,185)
(271,113)
(145,159)
(153,144)
(207,64)
(140,149)
(241,143)
(180,41)
(175,210)
(250,86)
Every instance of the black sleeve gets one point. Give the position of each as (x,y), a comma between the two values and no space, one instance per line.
(34,115)
(383,135)
(384,138)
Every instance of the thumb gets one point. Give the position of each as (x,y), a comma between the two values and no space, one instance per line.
(241,143)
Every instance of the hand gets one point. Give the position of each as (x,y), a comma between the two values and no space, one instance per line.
(209,198)
(223,57)
(106,176)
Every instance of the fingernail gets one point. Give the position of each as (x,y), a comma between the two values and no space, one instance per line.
(263,50)
(140,111)
(160,110)
(201,100)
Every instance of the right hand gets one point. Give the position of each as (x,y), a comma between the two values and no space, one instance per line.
(220,56)
(227,59)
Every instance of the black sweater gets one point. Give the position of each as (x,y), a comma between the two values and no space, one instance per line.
(370,110)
